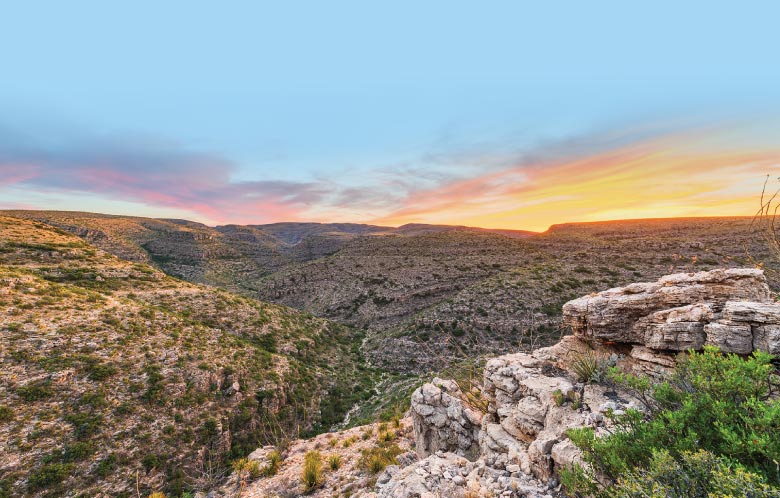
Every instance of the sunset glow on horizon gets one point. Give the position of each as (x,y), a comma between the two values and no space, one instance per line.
(512,115)
(658,179)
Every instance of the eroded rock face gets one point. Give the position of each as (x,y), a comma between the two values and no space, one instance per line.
(442,421)
(532,403)
(730,309)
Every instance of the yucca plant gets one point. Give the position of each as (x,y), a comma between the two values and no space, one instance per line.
(588,367)
(312,470)
(334,462)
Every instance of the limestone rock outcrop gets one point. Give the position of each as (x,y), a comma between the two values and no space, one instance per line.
(731,309)
(443,421)
(447,474)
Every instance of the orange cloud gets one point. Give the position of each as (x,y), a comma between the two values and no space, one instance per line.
(658,178)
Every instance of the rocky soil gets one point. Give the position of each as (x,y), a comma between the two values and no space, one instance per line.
(352,476)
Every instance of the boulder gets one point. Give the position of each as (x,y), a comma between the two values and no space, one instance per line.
(565,454)
(442,421)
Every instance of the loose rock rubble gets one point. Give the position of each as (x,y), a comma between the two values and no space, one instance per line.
(447,474)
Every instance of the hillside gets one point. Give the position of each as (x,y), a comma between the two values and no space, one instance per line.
(428,295)
(115,375)
(517,305)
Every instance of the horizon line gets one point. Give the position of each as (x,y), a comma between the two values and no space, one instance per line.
(589,222)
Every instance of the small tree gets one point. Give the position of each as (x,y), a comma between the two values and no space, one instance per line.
(766,226)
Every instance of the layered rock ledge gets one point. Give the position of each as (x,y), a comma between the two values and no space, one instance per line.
(731,309)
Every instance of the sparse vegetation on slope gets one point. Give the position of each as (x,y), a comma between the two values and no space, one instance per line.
(426,296)
(113,372)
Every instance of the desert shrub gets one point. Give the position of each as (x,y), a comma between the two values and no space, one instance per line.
(718,403)
(35,391)
(5,488)
(334,462)
(48,475)
(101,371)
(375,460)
(692,474)
(78,450)
(558,397)
(151,461)
(84,424)
(312,470)
(6,413)
(274,461)
(245,470)
(154,386)
(106,466)
(386,436)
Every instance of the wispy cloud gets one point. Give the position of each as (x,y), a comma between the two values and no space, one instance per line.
(650,177)
(155,174)
(604,175)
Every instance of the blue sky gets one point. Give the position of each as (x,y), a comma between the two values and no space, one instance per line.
(351,110)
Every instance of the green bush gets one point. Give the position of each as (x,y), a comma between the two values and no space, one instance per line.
(716,403)
(691,475)
(5,488)
(151,461)
(101,371)
(84,424)
(49,474)
(106,466)
(35,391)
(6,413)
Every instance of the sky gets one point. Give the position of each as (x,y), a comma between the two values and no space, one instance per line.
(498,114)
